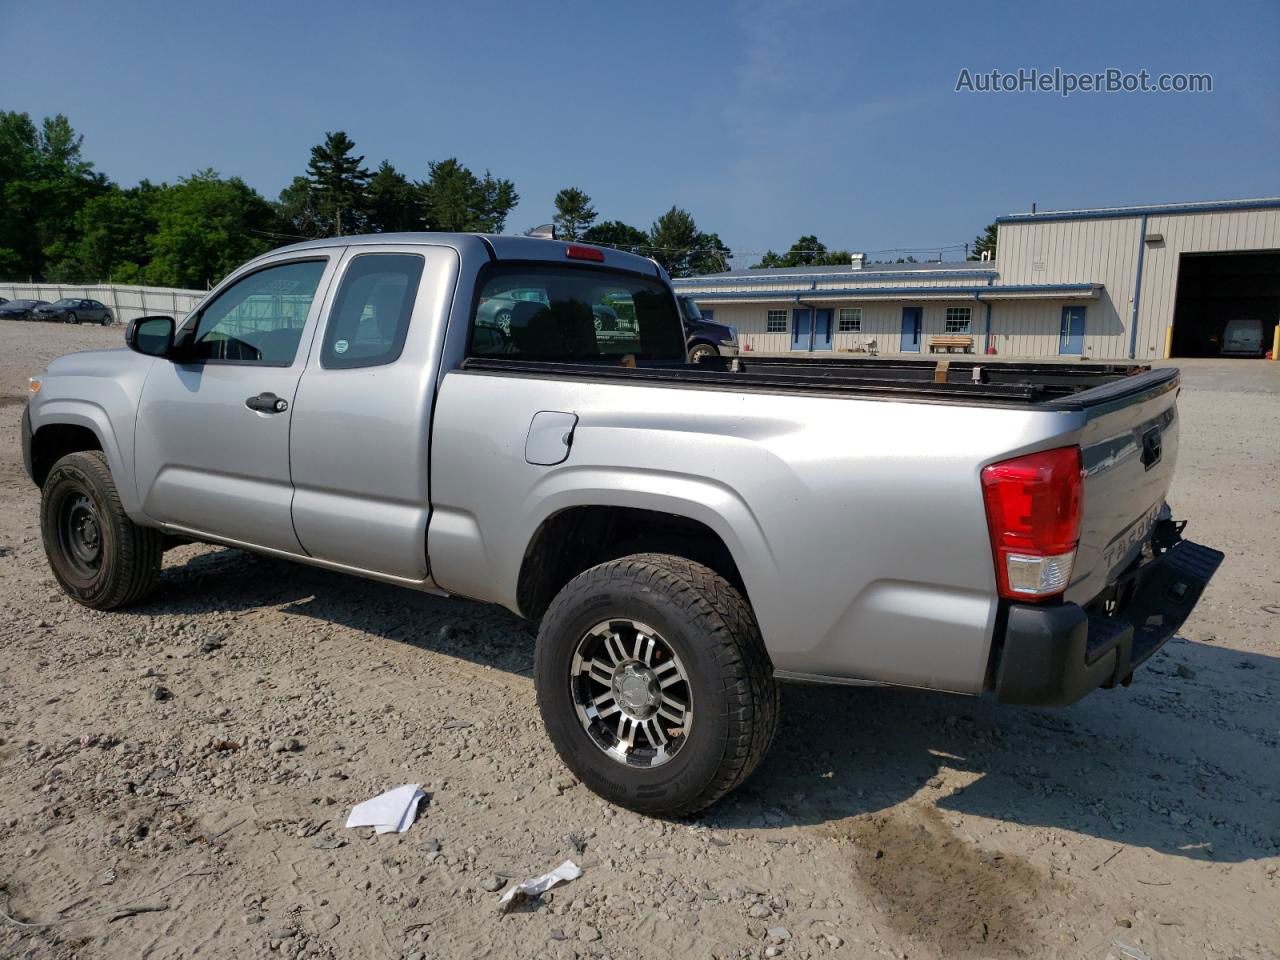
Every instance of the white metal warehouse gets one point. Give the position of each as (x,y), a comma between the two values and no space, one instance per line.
(1108,283)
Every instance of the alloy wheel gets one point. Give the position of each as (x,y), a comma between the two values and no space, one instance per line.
(631,693)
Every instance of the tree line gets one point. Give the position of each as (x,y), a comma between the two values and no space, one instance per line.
(809,251)
(62,220)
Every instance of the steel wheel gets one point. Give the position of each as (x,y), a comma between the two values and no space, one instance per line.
(702,350)
(80,534)
(631,693)
(101,558)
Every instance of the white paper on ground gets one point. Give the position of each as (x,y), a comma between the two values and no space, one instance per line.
(539,885)
(407,820)
(388,812)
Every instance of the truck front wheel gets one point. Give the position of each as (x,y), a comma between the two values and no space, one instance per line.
(101,558)
(654,684)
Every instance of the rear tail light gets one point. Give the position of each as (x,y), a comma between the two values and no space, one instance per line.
(1033,512)
(574,252)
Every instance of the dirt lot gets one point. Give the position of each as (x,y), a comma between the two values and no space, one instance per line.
(201,753)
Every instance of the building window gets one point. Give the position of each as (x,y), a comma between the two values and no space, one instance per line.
(957,320)
(850,320)
(777,322)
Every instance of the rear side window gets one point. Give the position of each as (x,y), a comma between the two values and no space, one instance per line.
(370,316)
(548,312)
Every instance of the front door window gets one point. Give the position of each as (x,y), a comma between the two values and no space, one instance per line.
(259,318)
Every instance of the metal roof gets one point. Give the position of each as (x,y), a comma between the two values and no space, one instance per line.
(914,271)
(1048,291)
(1108,213)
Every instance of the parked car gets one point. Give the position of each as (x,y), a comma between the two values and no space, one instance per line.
(498,311)
(3,301)
(74,310)
(706,338)
(20,309)
(1242,338)
(686,534)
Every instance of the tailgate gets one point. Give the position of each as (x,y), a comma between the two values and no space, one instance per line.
(1129,448)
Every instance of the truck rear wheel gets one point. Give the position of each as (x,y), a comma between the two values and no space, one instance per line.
(654,684)
(101,558)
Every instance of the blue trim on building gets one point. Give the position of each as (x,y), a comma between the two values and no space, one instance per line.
(841,275)
(1124,213)
(1137,289)
(888,293)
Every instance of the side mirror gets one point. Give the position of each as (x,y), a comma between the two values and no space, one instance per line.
(152,336)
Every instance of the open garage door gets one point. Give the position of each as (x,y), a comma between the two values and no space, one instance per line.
(1221,293)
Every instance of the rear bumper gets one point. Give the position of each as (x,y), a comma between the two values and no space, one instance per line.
(1054,655)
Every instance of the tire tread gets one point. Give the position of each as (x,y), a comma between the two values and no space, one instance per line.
(136,566)
(725,620)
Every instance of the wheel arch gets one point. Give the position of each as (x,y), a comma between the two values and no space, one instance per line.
(61,427)
(575,536)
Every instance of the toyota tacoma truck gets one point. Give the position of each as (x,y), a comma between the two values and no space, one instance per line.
(687,534)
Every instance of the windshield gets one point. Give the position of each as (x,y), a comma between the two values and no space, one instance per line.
(65,303)
(691,311)
(574,314)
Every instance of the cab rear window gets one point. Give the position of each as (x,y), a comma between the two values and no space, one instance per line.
(574,314)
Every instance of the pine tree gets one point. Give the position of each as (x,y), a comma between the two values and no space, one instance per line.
(394,204)
(338,185)
(985,242)
(574,213)
(456,200)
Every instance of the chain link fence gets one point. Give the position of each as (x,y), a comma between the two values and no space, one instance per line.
(125,302)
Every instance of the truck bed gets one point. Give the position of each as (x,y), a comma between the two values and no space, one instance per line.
(1052,386)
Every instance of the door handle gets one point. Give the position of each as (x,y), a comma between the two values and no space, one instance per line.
(267,403)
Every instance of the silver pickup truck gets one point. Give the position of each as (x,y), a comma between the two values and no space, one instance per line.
(687,533)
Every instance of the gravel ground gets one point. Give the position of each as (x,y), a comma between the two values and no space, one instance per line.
(198,756)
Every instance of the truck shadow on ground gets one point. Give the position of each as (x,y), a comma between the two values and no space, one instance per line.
(1185,766)
(1183,762)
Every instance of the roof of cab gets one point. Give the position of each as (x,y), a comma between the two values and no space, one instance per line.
(501,247)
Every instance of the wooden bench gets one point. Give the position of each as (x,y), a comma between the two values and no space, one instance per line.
(951,342)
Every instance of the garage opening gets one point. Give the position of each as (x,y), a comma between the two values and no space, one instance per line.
(1227,304)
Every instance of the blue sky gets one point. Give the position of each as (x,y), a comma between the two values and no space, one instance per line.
(764,119)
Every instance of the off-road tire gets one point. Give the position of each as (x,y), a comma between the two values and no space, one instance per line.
(711,627)
(129,565)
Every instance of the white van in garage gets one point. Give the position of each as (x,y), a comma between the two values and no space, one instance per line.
(1242,338)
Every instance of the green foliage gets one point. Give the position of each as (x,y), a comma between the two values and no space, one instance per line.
(297,211)
(808,251)
(621,236)
(574,213)
(205,227)
(985,242)
(338,183)
(683,250)
(393,204)
(457,201)
(60,220)
(111,237)
(44,182)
